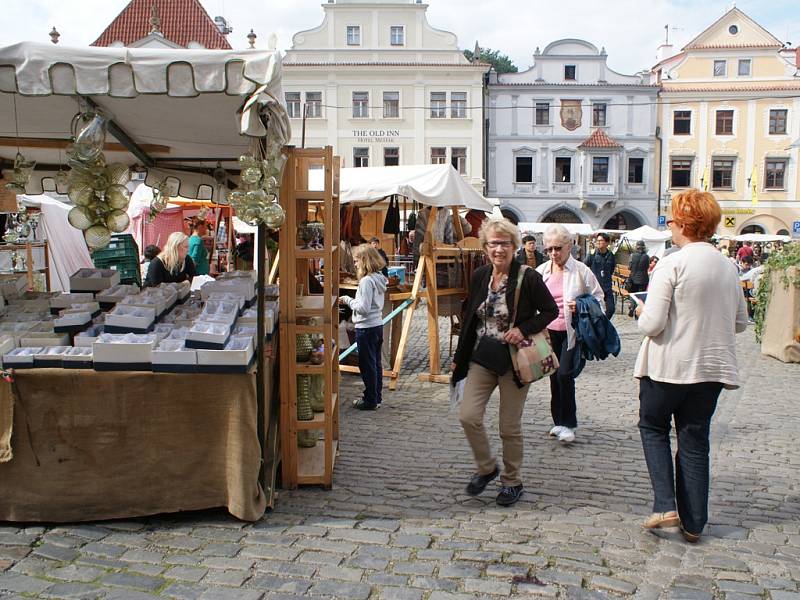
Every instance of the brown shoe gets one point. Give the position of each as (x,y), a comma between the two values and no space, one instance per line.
(659,520)
(692,538)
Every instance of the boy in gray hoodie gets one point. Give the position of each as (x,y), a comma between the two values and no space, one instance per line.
(367,309)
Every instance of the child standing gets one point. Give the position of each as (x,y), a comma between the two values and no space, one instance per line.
(367,309)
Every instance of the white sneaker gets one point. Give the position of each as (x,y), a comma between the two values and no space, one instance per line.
(566,435)
(555,431)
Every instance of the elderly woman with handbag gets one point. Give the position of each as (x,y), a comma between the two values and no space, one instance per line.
(566,278)
(483,355)
(694,308)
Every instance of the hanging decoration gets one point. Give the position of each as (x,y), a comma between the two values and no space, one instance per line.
(159,200)
(23,168)
(256,199)
(98,189)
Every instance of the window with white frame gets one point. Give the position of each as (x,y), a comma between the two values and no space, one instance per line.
(397,35)
(313,105)
(569,72)
(774,174)
(722,174)
(360,105)
(600,169)
(360,157)
(542,113)
(458,105)
(391,105)
(563,169)
(744,67)
(353,35)
(598,114)
(680,172)
(724,122)
(438,105)
(293,104)
(438,156)
(458,158)
(720,68)
(777,121)
(635,170)
(523,169)
(391,156)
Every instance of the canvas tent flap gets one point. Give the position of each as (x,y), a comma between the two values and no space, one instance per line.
(431,185)
(172,103)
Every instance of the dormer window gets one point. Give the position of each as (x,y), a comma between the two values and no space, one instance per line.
(353,35)
(569,72)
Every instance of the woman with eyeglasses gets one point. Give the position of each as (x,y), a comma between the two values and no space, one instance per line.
(566,278)
(483,356)
(694,308)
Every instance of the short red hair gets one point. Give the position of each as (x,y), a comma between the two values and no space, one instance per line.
(698,212)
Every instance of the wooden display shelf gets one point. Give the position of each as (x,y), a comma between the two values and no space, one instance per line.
(313,306)
(311,463)
(318,422)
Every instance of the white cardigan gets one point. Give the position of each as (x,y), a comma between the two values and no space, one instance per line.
(578,280)
(694,308)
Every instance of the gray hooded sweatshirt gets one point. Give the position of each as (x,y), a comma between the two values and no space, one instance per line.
(367,306)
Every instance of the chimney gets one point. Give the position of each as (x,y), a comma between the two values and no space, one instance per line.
(797,57)
(665,49)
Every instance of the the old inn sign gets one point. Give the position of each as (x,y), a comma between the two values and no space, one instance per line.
(376,135)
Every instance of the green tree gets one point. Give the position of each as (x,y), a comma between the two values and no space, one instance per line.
(500,62)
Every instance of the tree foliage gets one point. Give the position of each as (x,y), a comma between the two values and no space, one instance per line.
(500,62)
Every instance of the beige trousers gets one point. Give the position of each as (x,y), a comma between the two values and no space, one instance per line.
(480,384)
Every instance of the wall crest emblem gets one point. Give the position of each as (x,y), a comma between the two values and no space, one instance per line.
(571,114)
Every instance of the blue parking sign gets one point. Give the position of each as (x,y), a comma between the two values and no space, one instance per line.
(662,220)
(796,229)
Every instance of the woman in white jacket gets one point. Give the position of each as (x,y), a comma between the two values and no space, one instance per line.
(566,278)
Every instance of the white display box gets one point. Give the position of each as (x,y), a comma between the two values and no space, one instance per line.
(123,352)
(183,316)
(117,293)
(77,358)
(44,339)
(65,300)
(50,356)
(251,274)
(86,338)
(171,356)
(244,331)
(7,344)
(157,302)
(249,316)
(219,311)
(124,316)
(240,286)
(226,297)
(236,357)
(21,358)
(208,335)
(71,319)
(93,280)
(182,290)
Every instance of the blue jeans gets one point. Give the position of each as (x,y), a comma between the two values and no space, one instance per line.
(686,488)
(369,343)
(608,298)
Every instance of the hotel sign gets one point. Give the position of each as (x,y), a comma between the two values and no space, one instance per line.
(376,135)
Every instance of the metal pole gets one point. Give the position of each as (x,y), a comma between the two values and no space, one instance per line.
(303,136)
(261,269)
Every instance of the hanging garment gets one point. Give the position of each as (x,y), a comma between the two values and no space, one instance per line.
(392,222)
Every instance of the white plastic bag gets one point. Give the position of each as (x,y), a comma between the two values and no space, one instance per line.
(456,393)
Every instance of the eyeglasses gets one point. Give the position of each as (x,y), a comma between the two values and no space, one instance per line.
(498,244)
(671,221)
(553,249)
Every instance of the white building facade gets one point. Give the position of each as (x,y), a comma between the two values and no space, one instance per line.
(384,88)
(570,140)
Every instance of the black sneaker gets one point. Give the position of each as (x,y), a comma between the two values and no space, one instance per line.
(361,405)
(509,495)
(479,482)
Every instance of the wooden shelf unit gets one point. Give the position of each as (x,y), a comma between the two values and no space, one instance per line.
(27,248)
(309,466)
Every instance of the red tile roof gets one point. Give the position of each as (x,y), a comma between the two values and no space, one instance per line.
(599,139)
(182,21)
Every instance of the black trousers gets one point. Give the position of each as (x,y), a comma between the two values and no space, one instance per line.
(562,383)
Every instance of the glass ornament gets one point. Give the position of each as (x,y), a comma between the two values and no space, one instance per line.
(97,236)
(81,193)
(117,196)
(117,221)
(101,181)
(80,217)
(251,175)
(90,138)
(118,174)
(273,215)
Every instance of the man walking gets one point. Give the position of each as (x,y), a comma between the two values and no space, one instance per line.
(528,254)
(602,263)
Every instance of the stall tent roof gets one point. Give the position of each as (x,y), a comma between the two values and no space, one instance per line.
(178,106)
(431,185)
(646,233)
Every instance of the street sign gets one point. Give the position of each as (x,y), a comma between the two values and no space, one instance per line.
(662,220)
(796,229)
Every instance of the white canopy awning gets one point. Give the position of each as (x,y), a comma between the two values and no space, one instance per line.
(573,228)
(645,233)
(180,107)
(761,237)
(431,185)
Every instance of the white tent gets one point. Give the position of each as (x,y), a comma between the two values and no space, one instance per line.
(645,233)
(432,185)
(573,228)
(761,237)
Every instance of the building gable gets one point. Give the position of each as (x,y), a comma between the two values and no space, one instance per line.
(734,30)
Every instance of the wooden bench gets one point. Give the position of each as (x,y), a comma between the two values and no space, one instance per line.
(618,279)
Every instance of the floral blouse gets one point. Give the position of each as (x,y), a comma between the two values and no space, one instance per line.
(493,312)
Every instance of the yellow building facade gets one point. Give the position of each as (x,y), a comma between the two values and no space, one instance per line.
(729,121)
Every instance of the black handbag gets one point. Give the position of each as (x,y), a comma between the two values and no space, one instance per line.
(392,222)
(492,354)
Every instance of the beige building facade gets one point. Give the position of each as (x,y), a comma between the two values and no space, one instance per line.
(729,119)
(377,82)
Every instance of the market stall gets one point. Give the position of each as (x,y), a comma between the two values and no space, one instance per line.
(139,442)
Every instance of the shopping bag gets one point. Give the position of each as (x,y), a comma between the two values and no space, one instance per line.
(456,394)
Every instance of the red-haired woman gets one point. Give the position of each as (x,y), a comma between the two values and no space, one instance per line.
(694,308)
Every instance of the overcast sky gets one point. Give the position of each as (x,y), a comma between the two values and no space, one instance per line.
(630,30)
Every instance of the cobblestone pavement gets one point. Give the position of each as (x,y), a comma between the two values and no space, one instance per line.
(398,525)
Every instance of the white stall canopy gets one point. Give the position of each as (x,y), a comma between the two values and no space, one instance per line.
(431,185)
(573,228)
(645,233)
(761,237)
(174,112)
